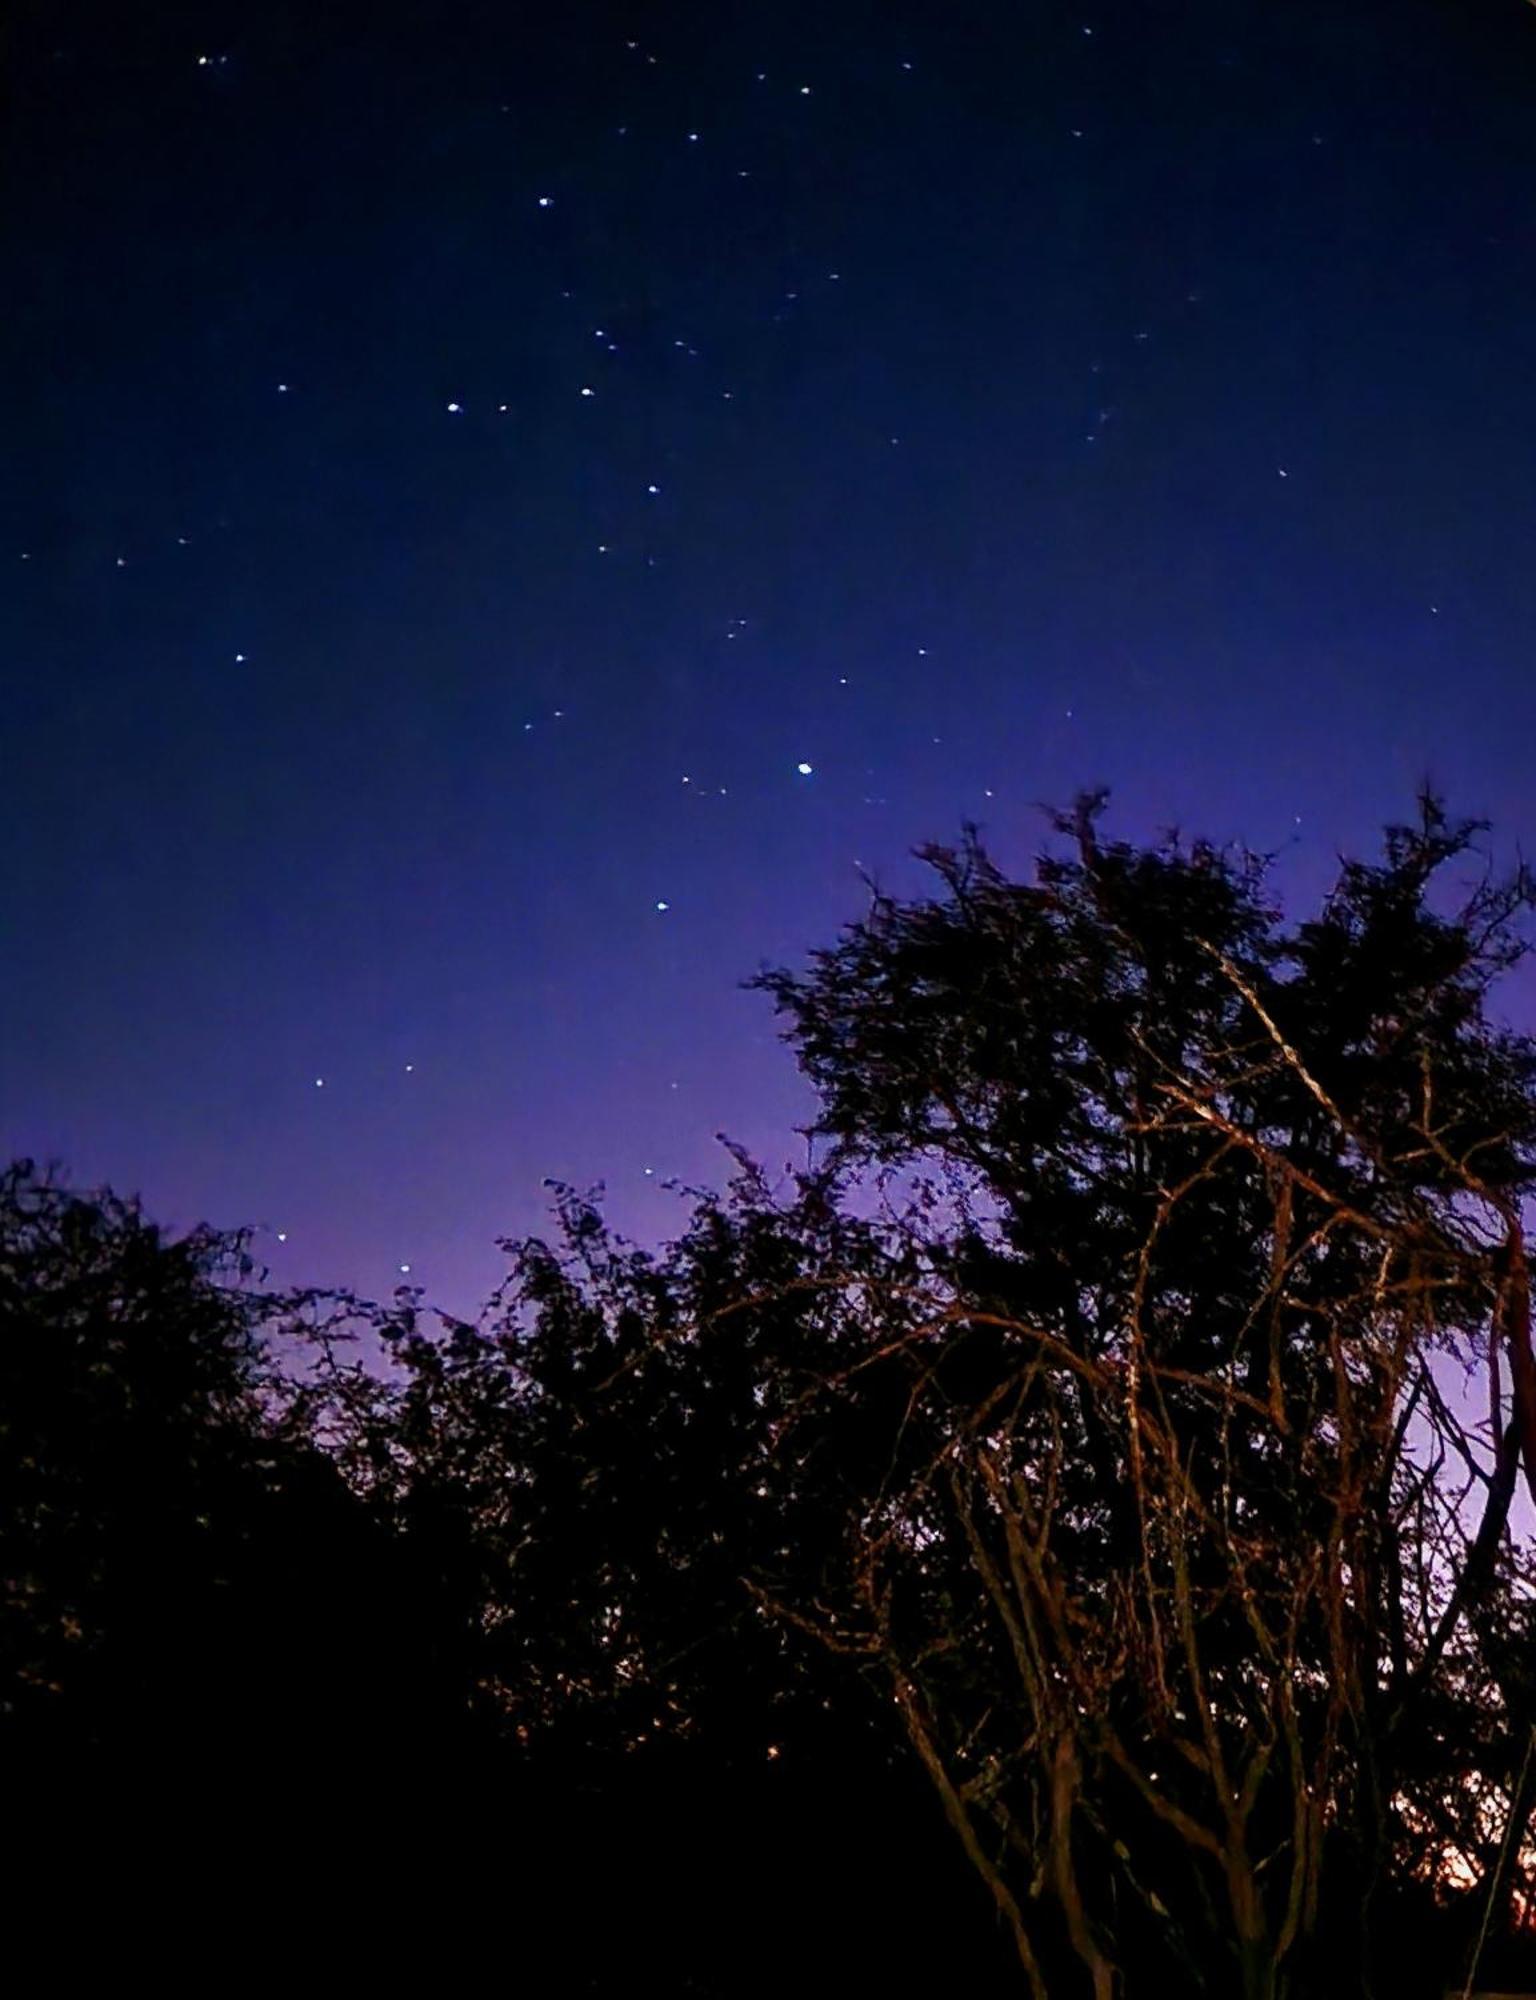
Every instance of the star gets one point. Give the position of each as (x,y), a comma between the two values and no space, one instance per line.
(282,1236)
(546,201)
(589,392)
(319,1083)
(454,409)
(805,769)
(663,906)
(653,489)
(406,1269)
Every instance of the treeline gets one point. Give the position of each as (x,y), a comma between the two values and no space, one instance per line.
(1063,1540)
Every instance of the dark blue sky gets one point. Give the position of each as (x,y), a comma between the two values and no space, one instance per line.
(1034,395)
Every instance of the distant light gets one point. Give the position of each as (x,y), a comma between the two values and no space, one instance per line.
(454,409)
(546,201)
(1282,472)
(653,489)
(239,659)
(282,1236)
(805,769)
(282,388)
(406,1269)
(693,138)
(805,90)
(409,1068)
(663,906)
(319,1083)
(589,392)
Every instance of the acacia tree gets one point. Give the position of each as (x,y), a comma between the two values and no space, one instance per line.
(1181,1569)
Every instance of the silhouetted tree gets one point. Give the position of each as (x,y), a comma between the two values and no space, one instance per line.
(1091,1408)
(1051,1538)
(203,1632)
(1183,1564)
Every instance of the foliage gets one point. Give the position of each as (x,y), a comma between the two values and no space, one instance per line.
(1068,1527)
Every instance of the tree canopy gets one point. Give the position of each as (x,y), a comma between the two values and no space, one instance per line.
(1063,1535)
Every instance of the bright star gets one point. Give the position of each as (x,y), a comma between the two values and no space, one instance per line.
(805,769)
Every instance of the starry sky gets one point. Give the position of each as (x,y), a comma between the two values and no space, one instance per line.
(506,511)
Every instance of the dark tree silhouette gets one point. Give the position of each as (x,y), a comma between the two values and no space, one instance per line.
(212,1657)
(1183,1566)
(1062,1539)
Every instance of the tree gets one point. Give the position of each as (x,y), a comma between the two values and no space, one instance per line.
(1086,1419)
(194,1600)
(1056,1523)
(1170,1576)
(593,1470)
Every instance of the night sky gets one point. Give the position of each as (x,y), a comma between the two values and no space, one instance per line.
(506,510)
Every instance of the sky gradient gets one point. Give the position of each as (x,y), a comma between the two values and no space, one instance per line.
(476,476)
